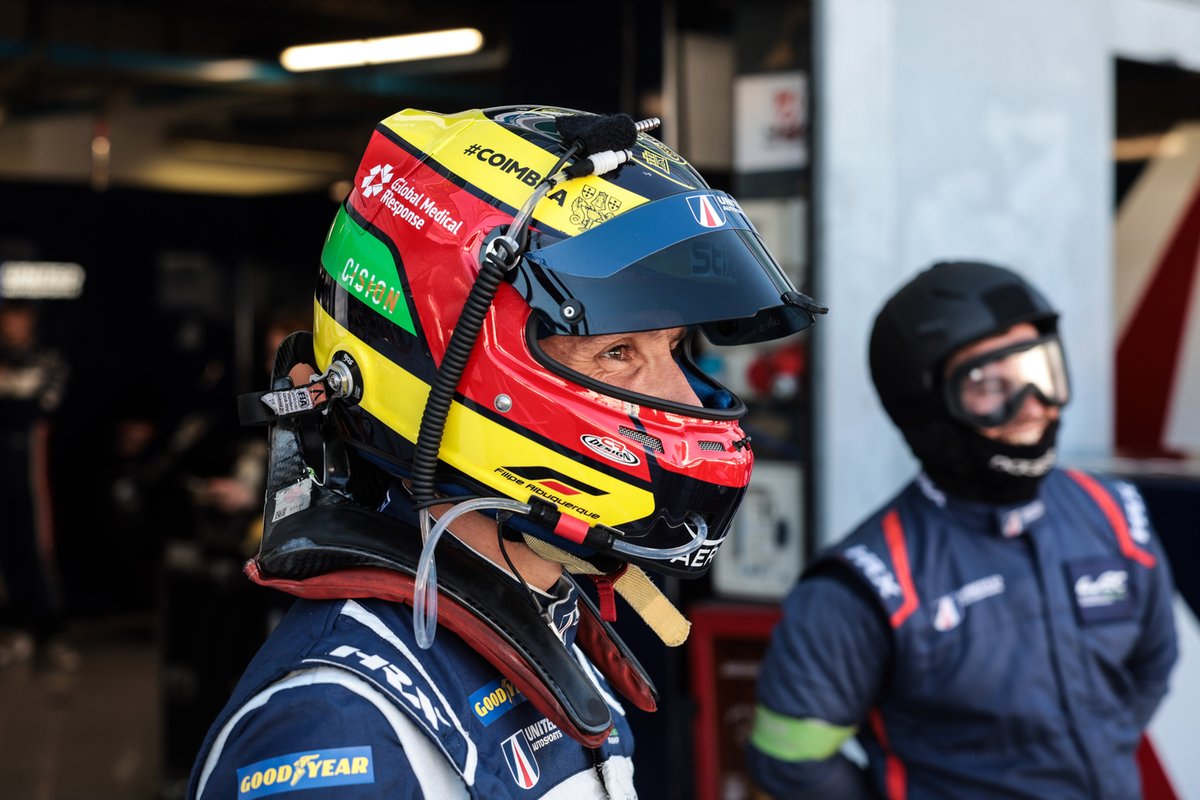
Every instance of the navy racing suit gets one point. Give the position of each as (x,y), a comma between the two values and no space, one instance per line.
(977,651)
(341,703)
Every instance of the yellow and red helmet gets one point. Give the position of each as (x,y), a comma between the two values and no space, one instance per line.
(644,247)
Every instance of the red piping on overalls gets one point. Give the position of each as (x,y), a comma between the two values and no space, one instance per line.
(895,779)
(1115,518)
(893,532)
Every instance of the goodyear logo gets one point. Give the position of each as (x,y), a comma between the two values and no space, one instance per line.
(495,700)
(311,769)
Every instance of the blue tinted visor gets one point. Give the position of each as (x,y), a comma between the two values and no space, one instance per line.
(684,260)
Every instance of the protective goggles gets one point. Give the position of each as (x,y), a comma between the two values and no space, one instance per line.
(688,259)
(988,390)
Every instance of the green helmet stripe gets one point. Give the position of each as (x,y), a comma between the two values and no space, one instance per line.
(790,739)
(365,267)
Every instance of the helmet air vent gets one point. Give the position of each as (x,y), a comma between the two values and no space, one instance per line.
(646,440)
(709,445)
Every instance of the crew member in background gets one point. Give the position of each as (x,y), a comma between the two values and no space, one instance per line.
(1002,628)
(32,381)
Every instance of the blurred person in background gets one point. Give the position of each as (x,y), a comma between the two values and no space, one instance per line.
(239,493)
(32,381)
(1000,629)
(205,506)
(499,369)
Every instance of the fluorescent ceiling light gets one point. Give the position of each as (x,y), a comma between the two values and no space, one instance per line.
(253,155)
(229,70)
(385,50)
(38,280)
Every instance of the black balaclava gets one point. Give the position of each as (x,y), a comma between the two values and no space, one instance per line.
(946,307)
(967,464)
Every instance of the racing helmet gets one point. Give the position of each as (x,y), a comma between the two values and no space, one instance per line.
(641,243)
(946,308)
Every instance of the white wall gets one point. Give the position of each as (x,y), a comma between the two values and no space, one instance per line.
(955,128)
(1165,31)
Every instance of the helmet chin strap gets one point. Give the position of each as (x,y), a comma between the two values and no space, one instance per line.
(632,584)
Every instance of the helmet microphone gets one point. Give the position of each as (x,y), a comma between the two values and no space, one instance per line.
(594,133)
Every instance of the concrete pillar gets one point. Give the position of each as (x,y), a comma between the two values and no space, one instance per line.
(951,129)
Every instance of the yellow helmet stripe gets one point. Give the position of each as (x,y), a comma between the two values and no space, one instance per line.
(478,446)
(506,166)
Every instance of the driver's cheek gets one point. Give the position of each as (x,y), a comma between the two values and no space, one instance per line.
(667,382)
